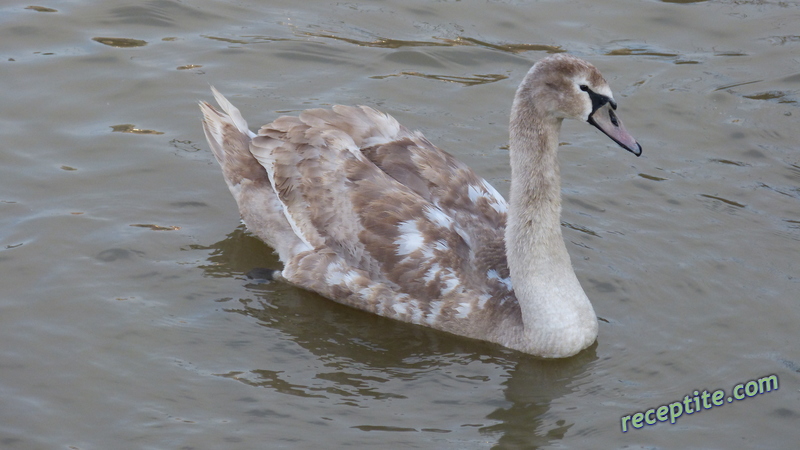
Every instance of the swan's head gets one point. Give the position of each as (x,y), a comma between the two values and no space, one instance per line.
(566,87)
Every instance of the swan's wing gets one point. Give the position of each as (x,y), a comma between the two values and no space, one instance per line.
(370,235)
(470,201)
(474,205)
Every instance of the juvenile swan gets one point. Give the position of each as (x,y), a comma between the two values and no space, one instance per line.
(370,214)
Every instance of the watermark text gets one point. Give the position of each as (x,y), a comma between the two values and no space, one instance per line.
(699,401)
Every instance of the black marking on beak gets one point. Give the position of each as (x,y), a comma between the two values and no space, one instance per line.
(598,100)
(608,122)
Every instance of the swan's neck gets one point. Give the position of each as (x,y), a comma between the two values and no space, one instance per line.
(558,318)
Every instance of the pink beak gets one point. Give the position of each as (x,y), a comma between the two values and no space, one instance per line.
(606,120)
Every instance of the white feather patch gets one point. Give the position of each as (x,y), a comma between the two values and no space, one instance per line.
(438,216)
(463,310)
(350,277)
(333,276)
(451,282)
(432,273)
(498,203)
(436,310)
(410,239)
(474,193)
(399,308)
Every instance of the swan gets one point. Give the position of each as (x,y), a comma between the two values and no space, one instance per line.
(370,214)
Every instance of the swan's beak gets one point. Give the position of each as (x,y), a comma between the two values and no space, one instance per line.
(606,120)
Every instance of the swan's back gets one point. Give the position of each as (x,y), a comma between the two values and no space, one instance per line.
(368,213)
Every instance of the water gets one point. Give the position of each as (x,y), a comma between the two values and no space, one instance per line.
(126,320)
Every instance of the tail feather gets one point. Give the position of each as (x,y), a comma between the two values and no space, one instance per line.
(225,129)
(233,113)
(261,210)
(229,139)
(213,126)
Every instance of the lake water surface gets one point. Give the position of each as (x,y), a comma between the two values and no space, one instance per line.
(126,320)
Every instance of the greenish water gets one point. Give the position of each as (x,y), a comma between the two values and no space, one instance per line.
(126,320)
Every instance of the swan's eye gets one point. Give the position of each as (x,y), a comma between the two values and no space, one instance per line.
(584,88)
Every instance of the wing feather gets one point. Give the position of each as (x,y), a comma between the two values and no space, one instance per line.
(391,224)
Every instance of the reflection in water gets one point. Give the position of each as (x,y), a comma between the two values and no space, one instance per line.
(41,9)
(772,95)
(531,387)
(120,42)
(381,42)
(130,128)
(737,84)
(780,96)
(466,81)
(246,39)
(155,227)
(360,358)
(640,51)
(155,13)
(440,42)
(723,200)
(237,254)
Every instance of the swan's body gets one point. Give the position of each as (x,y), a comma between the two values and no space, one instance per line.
(367,213)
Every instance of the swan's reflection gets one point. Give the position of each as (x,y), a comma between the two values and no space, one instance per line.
(361,358)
